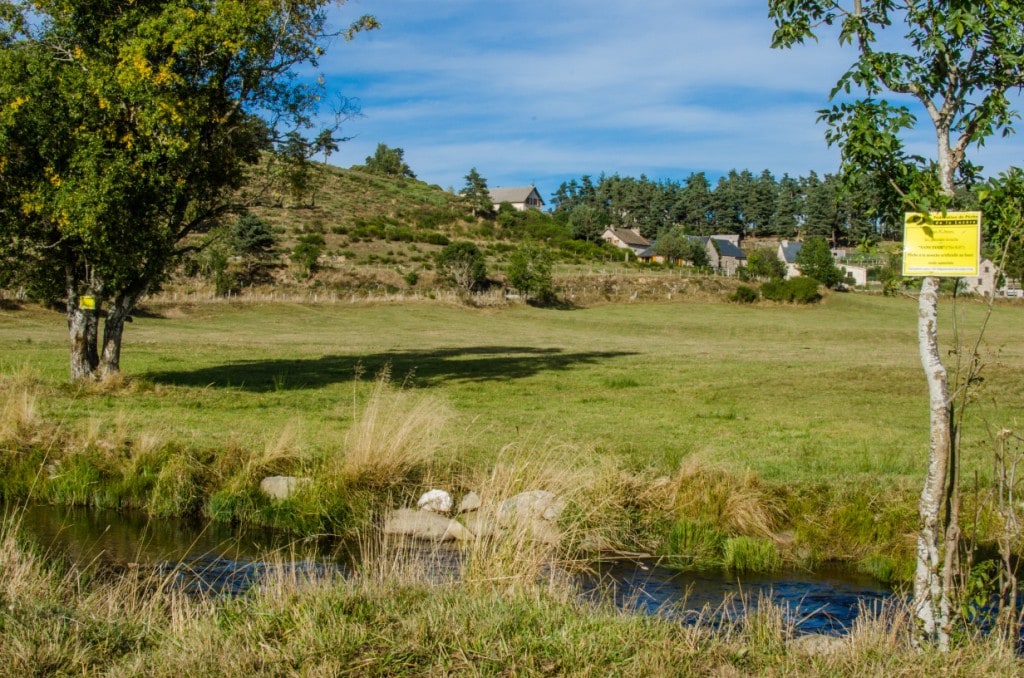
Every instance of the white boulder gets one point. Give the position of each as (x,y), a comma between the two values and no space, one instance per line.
(435,501)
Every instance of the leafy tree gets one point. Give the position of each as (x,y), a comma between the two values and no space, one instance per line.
(253,241)
(306,253)
(463,265)
(957,61)
(390,162)
(588,222)
(815,261)
(476,192)
(529,271)
(125,131)
(675,246)
(763,263)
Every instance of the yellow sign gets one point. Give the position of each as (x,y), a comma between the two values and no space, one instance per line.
(944,245)
(87,302)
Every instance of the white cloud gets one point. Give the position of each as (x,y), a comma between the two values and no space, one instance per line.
(537,90)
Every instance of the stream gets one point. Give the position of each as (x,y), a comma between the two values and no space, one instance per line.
(206,558)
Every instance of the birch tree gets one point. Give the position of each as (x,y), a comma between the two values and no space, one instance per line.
(958,61)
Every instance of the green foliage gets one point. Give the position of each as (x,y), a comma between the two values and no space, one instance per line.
(958,62)
(588,222)
(745,294)
(529,271)
(763,263)
(389,162)
(306,253)
(476,193)
(509,219)
(133,137)
(694,545)
(750,554)
(800,290)
(815,261)
(463,265)
(1002,200)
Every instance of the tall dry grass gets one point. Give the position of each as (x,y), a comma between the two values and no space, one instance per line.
(397,433)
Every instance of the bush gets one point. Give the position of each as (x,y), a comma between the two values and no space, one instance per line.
(745,294)
(529,271)
(306,253)
(800,290)
(462,264)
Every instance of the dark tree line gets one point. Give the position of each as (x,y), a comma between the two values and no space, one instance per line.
(845,211)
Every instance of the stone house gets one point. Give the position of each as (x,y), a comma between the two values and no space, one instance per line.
(628,239)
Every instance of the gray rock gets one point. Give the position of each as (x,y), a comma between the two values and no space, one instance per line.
(435,501)
(425,525)
(471,502)
(480,524)
(530,505)
(282,487)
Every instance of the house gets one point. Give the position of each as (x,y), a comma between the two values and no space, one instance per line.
(787,253)
(789,250)
(724,254)
(987,282)
(520,197)
(628,239)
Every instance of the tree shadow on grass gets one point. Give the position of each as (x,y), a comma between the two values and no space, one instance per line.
(422,368)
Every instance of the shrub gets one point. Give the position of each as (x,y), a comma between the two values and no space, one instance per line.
(801,290)
(463,265)
(745,294)
(529,271)
(307,251)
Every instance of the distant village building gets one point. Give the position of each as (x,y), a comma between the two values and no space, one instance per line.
(987,283)
(520,197)
(787,254)
(724,253)
(627,239)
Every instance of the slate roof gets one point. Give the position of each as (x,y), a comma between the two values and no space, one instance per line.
(790,250)
(515,194)
(727,249)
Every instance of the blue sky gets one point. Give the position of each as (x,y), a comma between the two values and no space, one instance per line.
(542,91)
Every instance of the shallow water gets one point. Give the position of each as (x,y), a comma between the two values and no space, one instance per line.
(219,559)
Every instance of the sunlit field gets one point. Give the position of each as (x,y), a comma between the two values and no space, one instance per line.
(832,392)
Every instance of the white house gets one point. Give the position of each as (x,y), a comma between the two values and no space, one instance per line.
(520,197)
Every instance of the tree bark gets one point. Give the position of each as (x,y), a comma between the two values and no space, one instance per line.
(931,587)
(83,331)
(118,312)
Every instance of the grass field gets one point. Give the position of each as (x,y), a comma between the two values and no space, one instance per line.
(827,396)
(793,393)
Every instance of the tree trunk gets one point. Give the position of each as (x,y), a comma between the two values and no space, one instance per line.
(931,581)
(118,313)
(83,331)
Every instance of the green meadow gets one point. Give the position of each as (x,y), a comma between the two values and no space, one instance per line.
(831,392)
(815,416)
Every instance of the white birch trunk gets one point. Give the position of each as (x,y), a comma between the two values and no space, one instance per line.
(931,597)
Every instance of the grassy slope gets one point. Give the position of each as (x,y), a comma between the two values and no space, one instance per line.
(795,394)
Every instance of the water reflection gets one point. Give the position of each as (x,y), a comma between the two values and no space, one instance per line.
(218,559)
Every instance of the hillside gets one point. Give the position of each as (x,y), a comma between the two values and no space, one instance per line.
(367,233)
